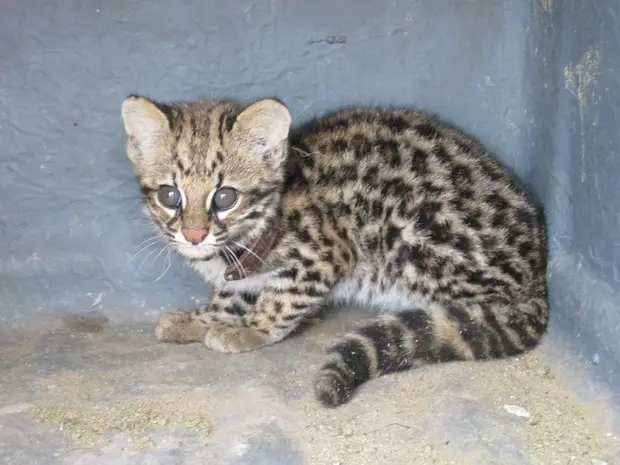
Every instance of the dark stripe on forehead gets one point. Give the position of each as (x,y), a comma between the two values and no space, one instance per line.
(211,168)
(179,123)
(226,122)
(177,159)
(221,126)
(193,125)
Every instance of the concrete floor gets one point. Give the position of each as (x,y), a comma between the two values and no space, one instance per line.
(82,392)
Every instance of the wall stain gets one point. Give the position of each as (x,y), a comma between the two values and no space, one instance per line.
(581,80)
(91,322)
(330,40)
(547,5)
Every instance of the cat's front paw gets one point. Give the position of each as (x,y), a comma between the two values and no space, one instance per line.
(181,327)
(224,338)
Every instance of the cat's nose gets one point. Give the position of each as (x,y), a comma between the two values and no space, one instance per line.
(194,236)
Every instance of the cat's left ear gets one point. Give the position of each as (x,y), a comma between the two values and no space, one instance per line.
(263,127)
(145,122)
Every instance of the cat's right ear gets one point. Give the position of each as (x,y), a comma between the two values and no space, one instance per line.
(145,124)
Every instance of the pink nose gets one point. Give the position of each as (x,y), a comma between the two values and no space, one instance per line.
(195,236)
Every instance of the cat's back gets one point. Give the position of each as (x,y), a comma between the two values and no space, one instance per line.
(356,125)
(398,151)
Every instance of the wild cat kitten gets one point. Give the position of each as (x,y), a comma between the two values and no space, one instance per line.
(382,207)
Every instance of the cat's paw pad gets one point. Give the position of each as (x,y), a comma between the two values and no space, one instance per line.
(181,327)
(224,338)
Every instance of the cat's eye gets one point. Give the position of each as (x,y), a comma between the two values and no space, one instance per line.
(225,198)
(169,196)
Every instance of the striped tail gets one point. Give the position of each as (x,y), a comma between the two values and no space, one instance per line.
(415,337)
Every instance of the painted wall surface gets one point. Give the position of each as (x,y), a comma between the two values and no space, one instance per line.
(532,80)
(572,92)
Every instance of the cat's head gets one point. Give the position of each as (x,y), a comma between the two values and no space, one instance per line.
(211,172)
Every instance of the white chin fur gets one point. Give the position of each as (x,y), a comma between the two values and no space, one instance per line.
(193,251)
(188,250)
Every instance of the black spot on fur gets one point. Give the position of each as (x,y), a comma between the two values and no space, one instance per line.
(425,215)
(339,146)
(391,235)
(395,187)
(234,309)
(371,176)
(397,124)
(432,190)
(290,273)
(497,201)
(249,299)
(473,220)
(376,209)
(361,145)
(492,172)
(389,151)
(525,249)
(442,155)
(371,242)
(312,276)
(418,162)
(461,175)
(428,131)
(462,243)
(526,217)
(499,220)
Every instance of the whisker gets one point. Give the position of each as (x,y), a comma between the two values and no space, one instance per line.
(303,153)
(157,256)
(245,274)
(147,256)
(252,252)
(167,266)
(146,240)
(231,255)
(152,242)
(236,260)
(231,261)
(168,256)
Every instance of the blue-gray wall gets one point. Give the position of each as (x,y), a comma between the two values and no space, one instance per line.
(572,92)
(537,81)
